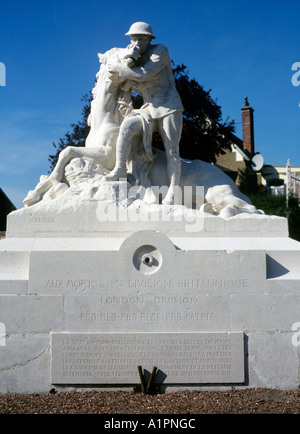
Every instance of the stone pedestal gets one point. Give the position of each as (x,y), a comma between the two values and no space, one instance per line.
(83,302)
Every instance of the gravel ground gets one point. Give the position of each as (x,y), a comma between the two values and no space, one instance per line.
(250,401)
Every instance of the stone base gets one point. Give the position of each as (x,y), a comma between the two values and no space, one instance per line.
(99,219)
(224,299)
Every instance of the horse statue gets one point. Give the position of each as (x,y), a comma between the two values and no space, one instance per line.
(111,103)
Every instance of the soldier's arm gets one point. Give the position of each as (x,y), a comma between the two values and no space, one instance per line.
(157,61)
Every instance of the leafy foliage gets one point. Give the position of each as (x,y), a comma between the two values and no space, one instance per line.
(276,205)
(205,135)
(248,182)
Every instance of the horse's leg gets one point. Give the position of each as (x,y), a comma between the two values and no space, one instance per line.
(98,155)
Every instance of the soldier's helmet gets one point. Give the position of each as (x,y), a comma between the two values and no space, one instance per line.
(140,28)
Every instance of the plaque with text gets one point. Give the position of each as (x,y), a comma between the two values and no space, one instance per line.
(113,358)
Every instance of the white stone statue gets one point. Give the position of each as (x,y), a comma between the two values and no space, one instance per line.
(152,76)
(119,141)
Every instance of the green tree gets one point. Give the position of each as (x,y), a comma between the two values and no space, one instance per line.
(205,135)
(276,205)
(248,183)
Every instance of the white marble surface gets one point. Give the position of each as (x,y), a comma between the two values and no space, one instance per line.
(193,284)
(93,358)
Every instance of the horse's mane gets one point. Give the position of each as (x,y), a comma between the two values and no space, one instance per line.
(103,59)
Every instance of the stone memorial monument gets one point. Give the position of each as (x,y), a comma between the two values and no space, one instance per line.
(126,256)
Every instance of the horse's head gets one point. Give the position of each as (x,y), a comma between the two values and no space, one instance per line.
(106,77)
(109,100)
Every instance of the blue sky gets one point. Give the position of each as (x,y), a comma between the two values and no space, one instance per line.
(49,49)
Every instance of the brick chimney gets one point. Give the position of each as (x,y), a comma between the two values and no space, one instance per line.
(248,127)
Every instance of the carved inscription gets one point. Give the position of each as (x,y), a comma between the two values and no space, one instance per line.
(86,284)
(42,220)
(110,358)
(140,313)
(94,317)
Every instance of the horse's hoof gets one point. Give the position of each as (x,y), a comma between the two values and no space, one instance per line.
(31,198)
